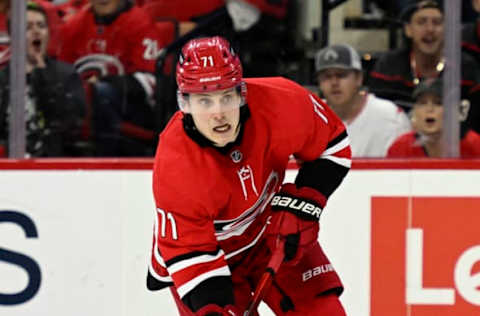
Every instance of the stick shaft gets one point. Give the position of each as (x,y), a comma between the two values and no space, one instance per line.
(266,279)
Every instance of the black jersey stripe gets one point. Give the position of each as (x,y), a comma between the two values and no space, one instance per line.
(191,255)
(337,139)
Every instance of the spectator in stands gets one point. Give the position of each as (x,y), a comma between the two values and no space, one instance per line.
(4,7)
(4,38)
(270,26)
(390,7)
(427,120)
(55,99)
(68,8)
(186,13)
(471,34)
(261,31)
(396,73)
(114,45)
(469,11)
(54,23)
(372,123)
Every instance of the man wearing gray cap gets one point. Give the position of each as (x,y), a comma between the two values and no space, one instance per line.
(372,123)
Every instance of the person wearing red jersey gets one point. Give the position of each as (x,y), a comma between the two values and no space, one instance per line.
(220,198)
(54,95)
(396,73)
(4,36)
(69,8)
(427,121)
(54,23)
(114,45)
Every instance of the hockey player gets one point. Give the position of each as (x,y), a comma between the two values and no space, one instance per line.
(221,204)
(114,45)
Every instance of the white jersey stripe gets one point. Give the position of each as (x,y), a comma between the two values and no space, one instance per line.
(156,253)
(337,147)
(236,252)
(157,276)
(158,257)
(174,268)
(190,285)
(341,161)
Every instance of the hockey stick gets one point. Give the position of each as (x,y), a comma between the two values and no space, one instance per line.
(267,277)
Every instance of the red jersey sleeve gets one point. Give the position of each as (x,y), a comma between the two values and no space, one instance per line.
(302,125)
(325,134)
(185,249)
(66,52)
(315,135)
(325,150)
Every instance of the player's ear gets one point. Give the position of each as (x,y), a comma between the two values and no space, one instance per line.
(182,103)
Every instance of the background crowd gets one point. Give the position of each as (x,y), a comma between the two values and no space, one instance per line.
(100,73)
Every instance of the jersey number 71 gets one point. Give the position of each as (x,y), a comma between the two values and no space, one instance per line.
(167,216)
(318,108)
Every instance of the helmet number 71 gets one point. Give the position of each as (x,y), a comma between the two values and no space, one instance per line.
(207,61)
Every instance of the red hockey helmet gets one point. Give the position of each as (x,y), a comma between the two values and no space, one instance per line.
(208,64)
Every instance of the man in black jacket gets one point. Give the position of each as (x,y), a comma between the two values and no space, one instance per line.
(398,72)
(55,99)
(471,34)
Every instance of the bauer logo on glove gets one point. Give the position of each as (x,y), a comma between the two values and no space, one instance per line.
(295,205)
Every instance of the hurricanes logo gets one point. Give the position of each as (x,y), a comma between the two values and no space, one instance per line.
(236,156)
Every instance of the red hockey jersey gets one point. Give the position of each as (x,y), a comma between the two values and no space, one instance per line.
(54,24)
(181,10)
(128,44)
(410,146)
(212,207)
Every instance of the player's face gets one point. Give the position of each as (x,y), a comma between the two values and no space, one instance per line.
(105,7)
(426,30)
(216,114)
(428,114)
(339,86)
(36,34)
